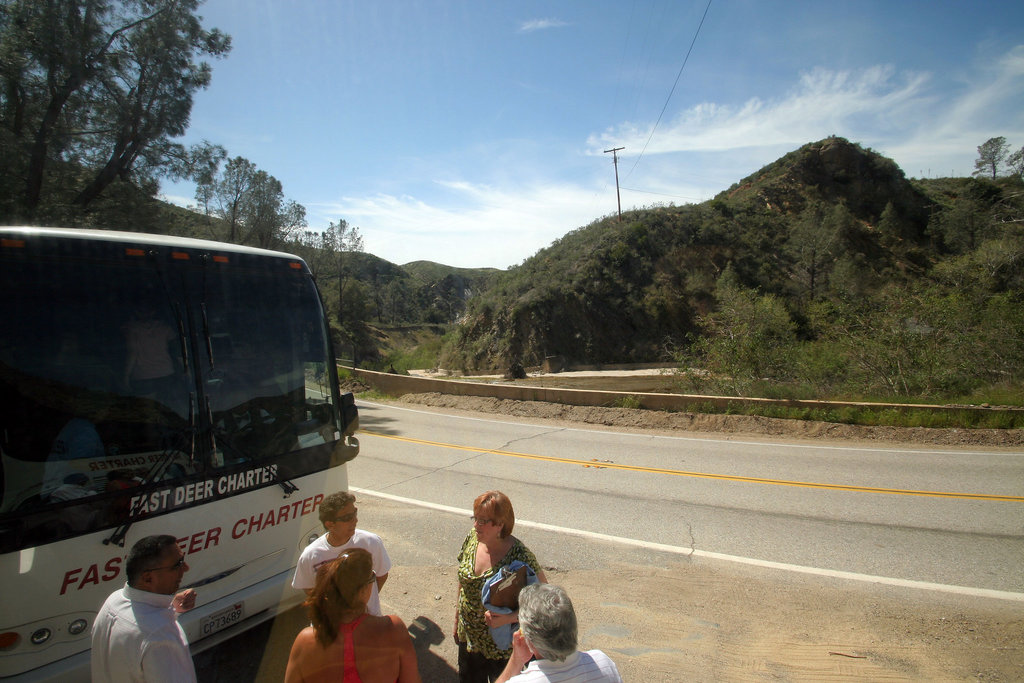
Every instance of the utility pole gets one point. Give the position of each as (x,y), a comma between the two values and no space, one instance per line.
(615,160)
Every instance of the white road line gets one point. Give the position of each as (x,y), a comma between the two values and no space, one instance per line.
(678,550)
(824,447)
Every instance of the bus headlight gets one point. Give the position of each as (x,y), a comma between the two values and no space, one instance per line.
(40,636)
(77,627)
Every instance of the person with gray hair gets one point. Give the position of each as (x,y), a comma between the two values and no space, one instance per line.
(548,633)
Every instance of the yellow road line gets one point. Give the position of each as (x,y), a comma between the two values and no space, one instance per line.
(704,475)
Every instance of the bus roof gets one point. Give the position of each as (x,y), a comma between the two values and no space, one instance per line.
(141,238)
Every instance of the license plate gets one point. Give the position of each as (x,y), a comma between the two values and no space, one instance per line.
(219,621)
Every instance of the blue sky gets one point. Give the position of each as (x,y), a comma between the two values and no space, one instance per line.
(473,133)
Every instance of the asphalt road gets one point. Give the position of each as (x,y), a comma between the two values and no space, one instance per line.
(897,513)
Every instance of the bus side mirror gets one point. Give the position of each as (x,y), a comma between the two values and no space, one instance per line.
(349,414)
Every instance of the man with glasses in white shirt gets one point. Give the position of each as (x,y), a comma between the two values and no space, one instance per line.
(339,515)
(136,636)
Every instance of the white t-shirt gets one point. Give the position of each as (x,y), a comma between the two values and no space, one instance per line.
(320,552)
(592,666)
(136,637)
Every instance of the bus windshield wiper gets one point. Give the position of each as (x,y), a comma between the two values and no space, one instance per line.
(158,470)
(220,436)
(206,334)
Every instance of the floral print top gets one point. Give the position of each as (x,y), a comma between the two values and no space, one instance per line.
(472,628)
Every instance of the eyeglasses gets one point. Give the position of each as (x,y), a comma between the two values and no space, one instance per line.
(479,520)
(177,565)
(347,518)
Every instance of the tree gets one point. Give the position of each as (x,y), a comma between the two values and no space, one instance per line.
(968,221)
(1015,162)
(250,202)
(396,301)
(890,226)
(810,248)
(342,241)
(270,219)
(312,247)
(990,156)
(98,85)
(201,163)
(927,339)
(339,243)
(859,258)
(227,193)
(751,337)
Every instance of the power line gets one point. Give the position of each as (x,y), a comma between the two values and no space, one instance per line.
(662,194)
(669,98)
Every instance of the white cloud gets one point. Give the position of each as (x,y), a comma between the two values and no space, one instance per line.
(989,105)
(178,200)
(823,103)
(927,126)
(540,25)
(483,226)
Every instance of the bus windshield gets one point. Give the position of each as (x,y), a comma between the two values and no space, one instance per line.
(124,369)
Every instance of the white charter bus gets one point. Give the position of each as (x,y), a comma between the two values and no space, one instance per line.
(156,385)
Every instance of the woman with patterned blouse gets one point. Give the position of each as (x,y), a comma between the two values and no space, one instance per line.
(489,546)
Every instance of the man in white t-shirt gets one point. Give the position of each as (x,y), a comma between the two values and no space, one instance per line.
(338,514)
(548,632)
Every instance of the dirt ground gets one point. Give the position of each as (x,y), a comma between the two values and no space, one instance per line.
(699,621)
(693,619)
(736,425)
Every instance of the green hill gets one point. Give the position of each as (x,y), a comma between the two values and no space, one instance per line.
(784,265)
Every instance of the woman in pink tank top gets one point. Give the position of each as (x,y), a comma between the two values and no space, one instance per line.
(345,643)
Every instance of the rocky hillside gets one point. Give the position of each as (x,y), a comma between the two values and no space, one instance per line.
(834,171)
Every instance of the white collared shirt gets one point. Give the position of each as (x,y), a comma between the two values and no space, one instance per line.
(137,638)
(592,666)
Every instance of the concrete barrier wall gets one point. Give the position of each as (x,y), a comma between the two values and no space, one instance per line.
(399,385)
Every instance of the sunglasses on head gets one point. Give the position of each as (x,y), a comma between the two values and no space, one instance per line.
(344,558)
